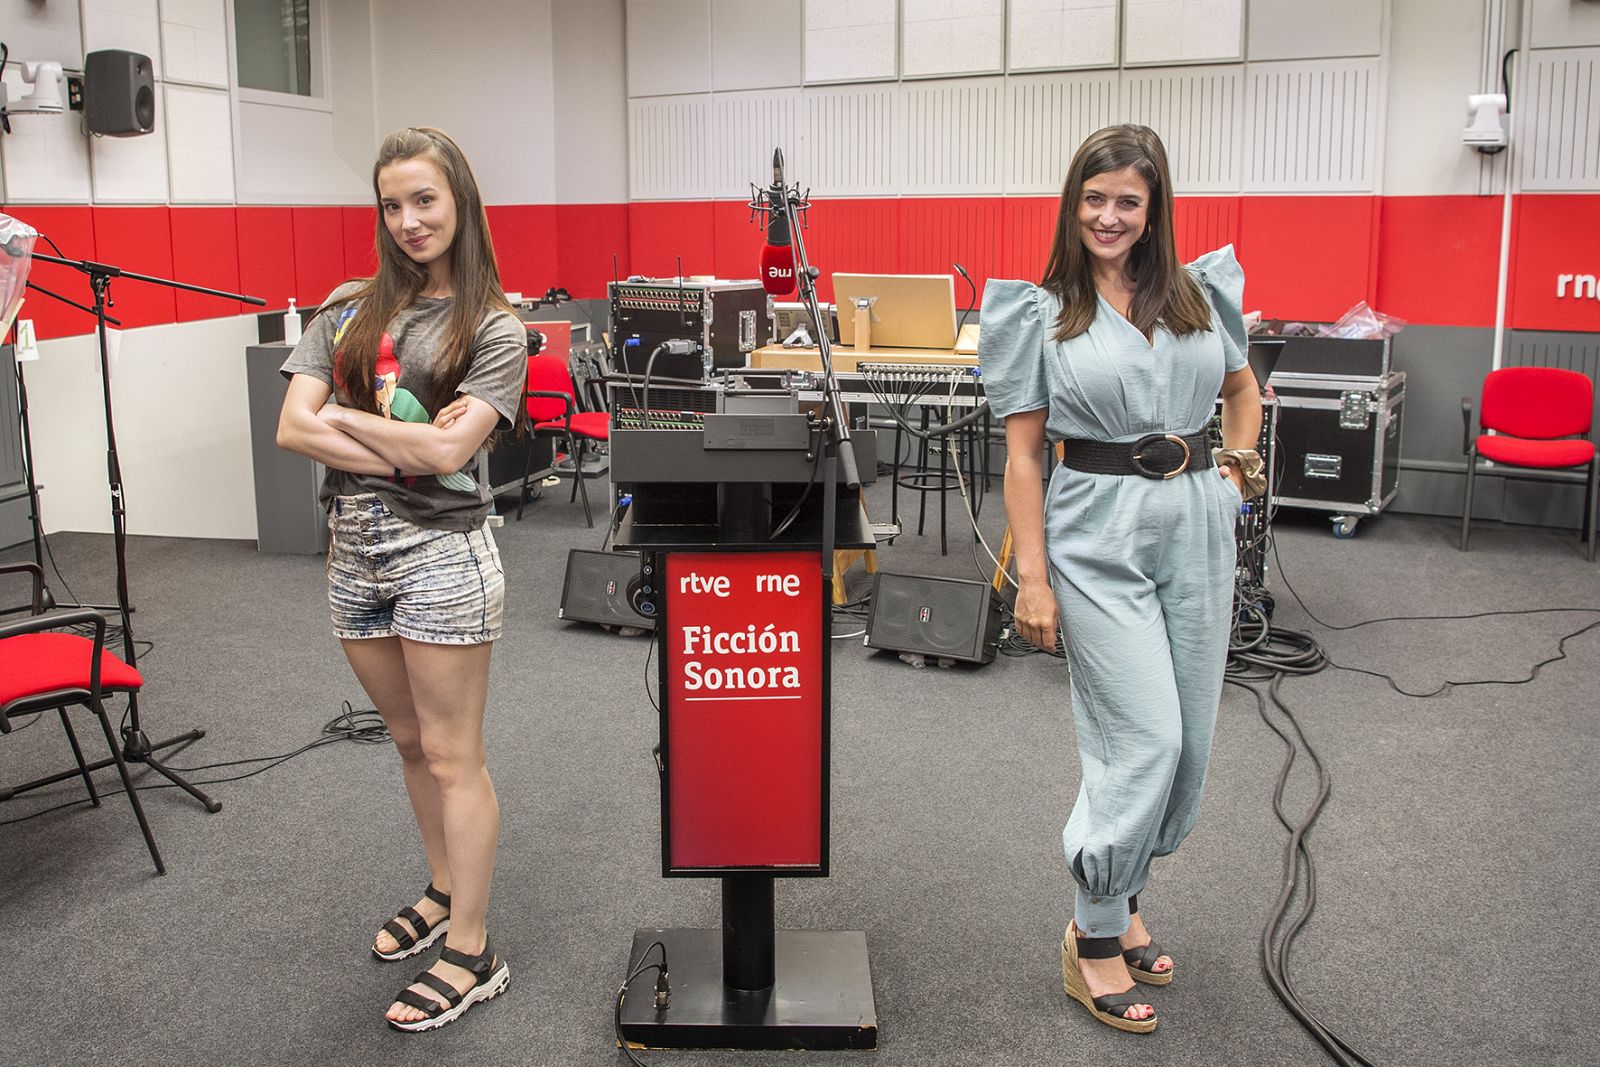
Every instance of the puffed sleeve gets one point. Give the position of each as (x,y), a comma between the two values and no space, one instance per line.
(1011,347)
(1220,275)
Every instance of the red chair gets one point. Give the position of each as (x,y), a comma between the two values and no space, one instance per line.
(553,412)
(1542,416)
(41,670)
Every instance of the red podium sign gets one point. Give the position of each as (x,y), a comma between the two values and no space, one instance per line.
(743,694)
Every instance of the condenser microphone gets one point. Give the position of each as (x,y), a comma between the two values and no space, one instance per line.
(777,254)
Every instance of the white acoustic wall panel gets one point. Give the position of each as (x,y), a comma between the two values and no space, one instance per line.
(199,145)
(194,41)
(1316,29)
(294,155)
(1050,115)
(131,25)
(952,137)
(851,40)
(46,157)
(1055,34)
(745,128)
(1182,31)
(1565,24)
(1313,127)
(848,137)
(1559,131)
(755,44)
(670,157)
(131,170)
(944,37)
(40,32)
(1196,111)
(669,47)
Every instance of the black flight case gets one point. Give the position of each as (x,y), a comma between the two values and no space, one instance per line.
(1339,421)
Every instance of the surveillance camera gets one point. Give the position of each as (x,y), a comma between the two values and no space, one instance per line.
(1486,114)
(49,89)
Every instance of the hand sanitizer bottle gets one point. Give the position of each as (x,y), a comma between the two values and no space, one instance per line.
(291,324)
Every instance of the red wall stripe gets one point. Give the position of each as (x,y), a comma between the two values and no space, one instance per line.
(1556,235)
(72,229)
(737,253)
(138,239)
(592,243)
(1203,223)
(662,235)
(1428,259)
(1439,258)
(360,257)
(318,253)
(266,255)
(1305,257)
(856,236)
(205,250)
(524,238)
(1028,226)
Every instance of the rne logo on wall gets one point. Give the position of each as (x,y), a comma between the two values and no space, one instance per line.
(1583,285)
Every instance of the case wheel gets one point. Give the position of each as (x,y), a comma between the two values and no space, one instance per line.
(1344,526)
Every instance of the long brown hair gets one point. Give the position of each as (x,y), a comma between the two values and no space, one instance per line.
(1164,293)
(475,277)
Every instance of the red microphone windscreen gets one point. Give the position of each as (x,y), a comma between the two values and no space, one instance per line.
(777,269)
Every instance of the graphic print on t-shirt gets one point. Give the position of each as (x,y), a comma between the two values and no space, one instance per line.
(395,401)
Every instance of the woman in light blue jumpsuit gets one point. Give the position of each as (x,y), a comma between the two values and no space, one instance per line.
(1139,569)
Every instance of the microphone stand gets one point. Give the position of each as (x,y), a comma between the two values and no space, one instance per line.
(137,747)
(35,518)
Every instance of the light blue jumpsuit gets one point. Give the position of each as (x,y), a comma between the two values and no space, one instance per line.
(1142,569)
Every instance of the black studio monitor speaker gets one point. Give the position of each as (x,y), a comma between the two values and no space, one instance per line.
(598,587)
(119,93)
(944,617)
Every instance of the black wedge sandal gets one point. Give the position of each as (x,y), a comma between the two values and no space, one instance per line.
(1108,1009)
(492,974)
(1141,961)
(421,934)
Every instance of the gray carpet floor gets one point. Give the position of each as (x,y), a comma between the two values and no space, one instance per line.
(1457,890)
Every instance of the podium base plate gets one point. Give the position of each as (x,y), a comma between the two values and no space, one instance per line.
(821,997)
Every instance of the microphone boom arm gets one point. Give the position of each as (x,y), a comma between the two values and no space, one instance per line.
(805,277)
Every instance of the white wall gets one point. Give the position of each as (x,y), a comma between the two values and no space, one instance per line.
(183,431)
(590,102)
(482,72)
(290,152)
(1360,97)
(1435,61)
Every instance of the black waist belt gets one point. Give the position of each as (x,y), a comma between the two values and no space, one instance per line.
(1156,455)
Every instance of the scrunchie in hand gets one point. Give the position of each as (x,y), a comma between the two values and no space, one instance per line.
(1247,461)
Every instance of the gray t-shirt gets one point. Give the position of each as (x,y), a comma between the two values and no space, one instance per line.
(497,374)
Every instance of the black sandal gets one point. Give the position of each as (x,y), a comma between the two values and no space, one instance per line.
(1141,961)
(421,934)
(1109,1008)
(492,976)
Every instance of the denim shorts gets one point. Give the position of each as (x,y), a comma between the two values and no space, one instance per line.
(390,578)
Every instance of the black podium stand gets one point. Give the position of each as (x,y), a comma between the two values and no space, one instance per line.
(736,554)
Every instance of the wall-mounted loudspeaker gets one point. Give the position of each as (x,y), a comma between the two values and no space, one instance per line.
(946,617)
(600,587)
(119,93)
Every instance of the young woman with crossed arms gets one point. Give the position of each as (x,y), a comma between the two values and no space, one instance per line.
(425,362)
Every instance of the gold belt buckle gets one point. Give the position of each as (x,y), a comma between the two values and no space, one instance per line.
(1138,455)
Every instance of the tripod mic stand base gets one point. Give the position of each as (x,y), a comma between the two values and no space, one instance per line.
(136,748)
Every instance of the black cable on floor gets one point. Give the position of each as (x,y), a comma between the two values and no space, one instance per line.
(1260,652)
(361,727)
(1447,685)
(1276,937)
(662,993)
